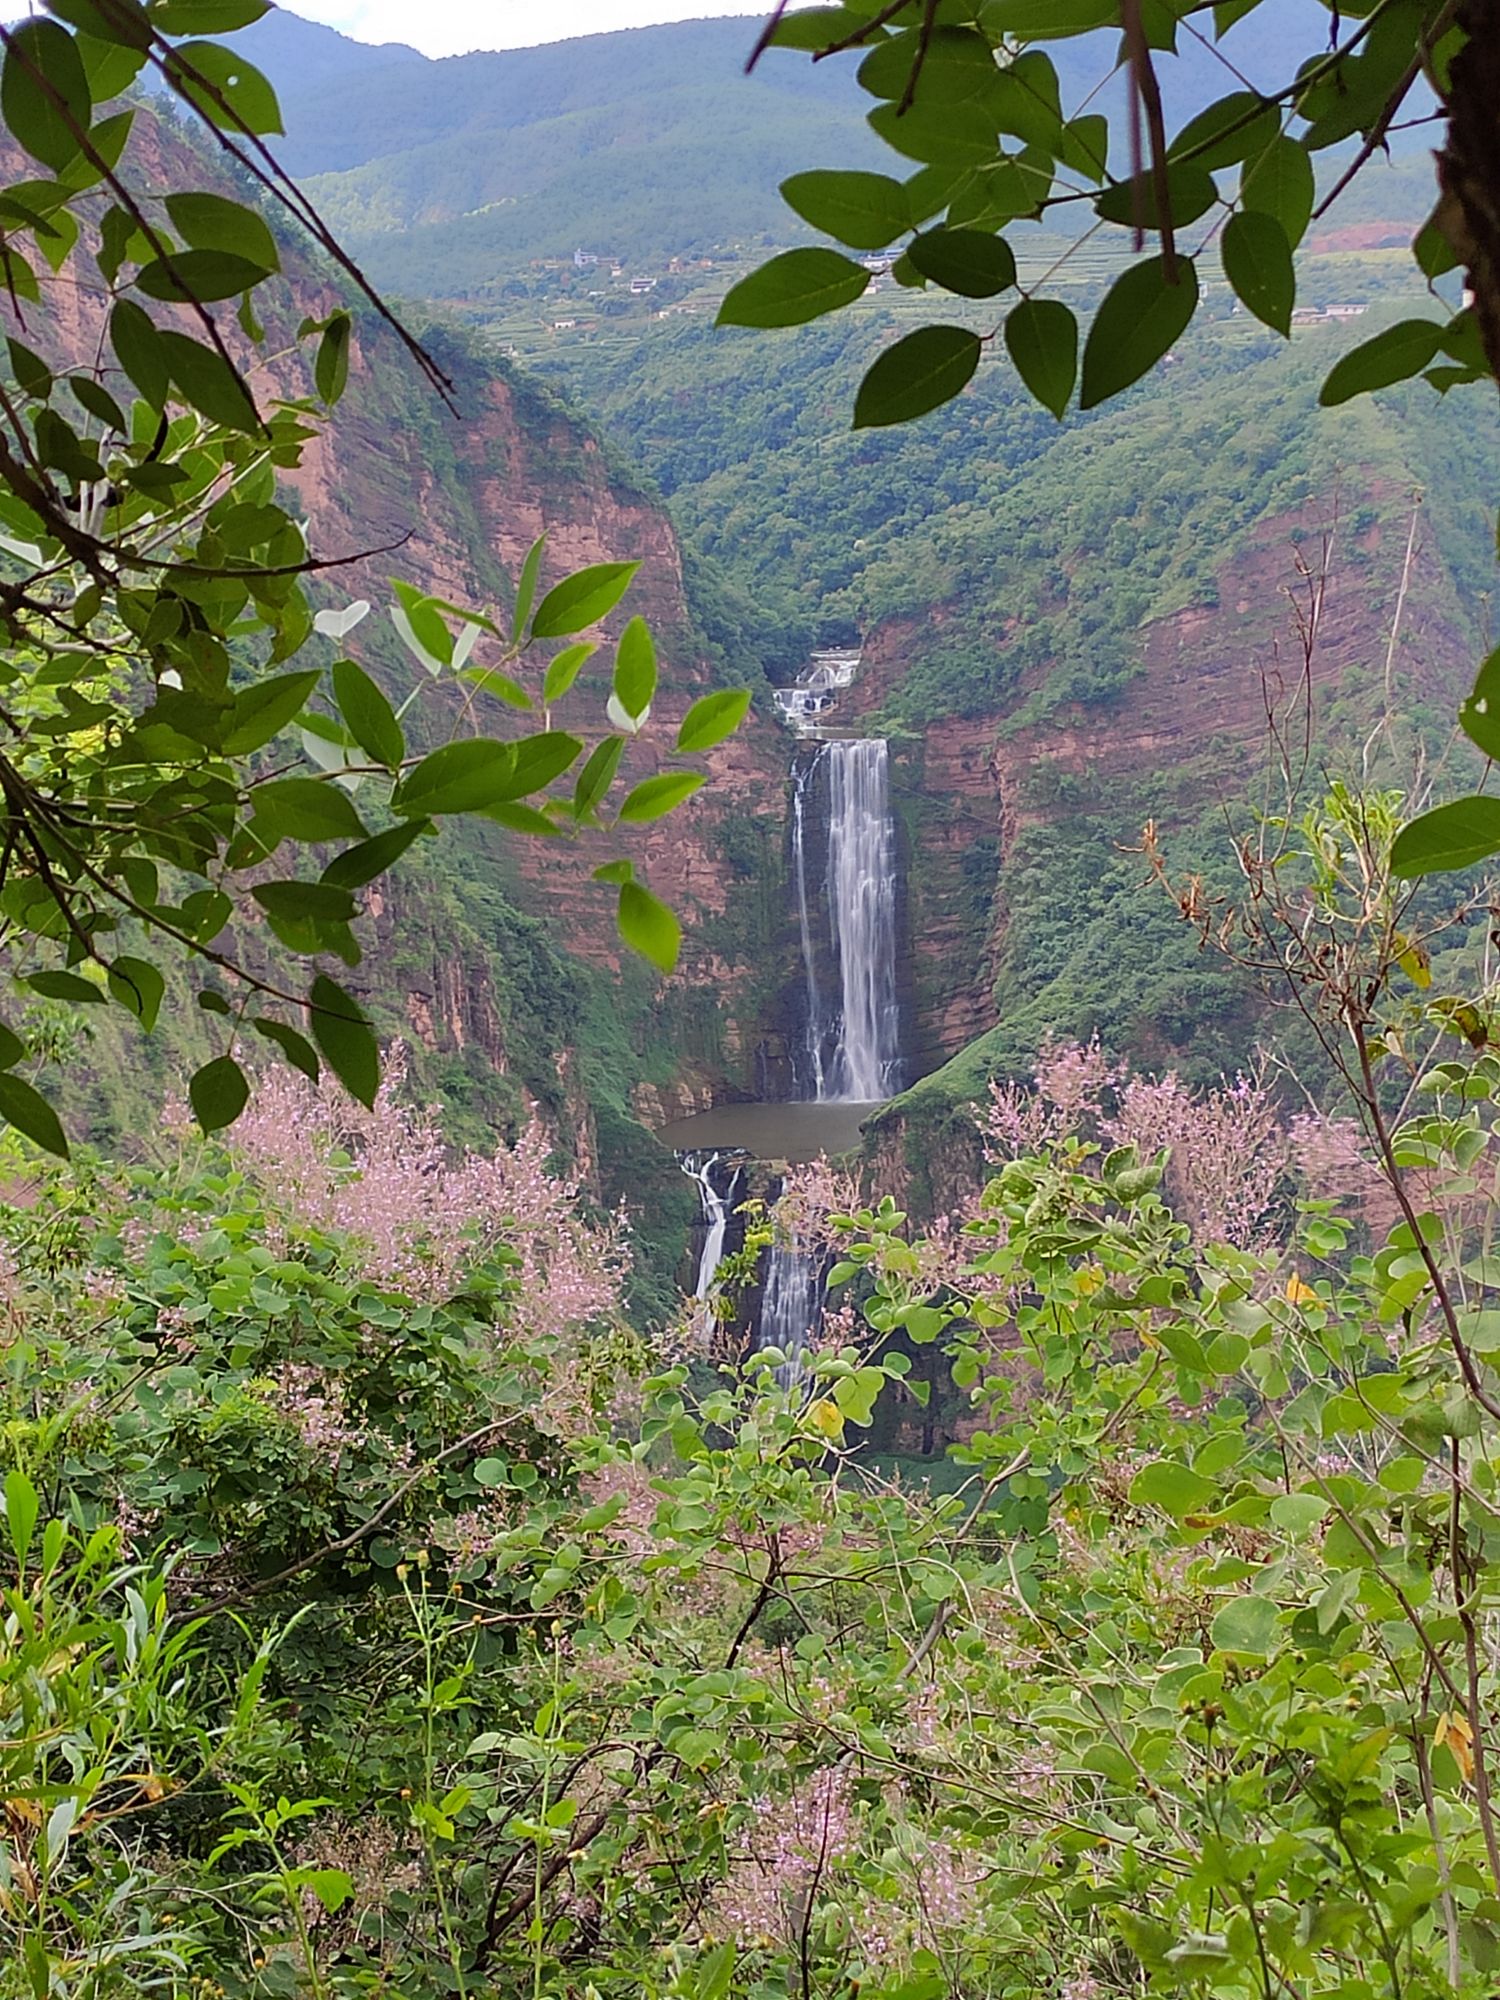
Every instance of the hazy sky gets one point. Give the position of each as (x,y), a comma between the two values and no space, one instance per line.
(449,27)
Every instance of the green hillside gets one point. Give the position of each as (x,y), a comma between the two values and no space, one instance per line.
(446,176)
(1060,542)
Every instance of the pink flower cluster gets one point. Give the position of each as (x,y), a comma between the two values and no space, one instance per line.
(1228,1150)
(794,1843)
(314,1401)
(383,1179)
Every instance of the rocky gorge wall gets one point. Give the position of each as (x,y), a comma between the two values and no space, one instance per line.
(1013,823)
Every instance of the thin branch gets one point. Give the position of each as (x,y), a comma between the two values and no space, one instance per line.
(1145,93)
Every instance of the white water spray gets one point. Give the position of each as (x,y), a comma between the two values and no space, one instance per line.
(715,1210)
(853,1056)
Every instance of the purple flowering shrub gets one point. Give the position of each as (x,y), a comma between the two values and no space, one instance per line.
(573,1663)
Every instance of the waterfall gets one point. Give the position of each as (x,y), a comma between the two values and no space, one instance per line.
(790,1304)
(715,1210)
(801,777)
(863,1064)
(862,911)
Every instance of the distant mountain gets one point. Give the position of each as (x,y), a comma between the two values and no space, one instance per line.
(304,56)
(644,143)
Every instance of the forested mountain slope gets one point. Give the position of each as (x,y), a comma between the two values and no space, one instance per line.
(1066,629)
(494,957)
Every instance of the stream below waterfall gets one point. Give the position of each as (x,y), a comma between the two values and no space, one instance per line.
(842,855)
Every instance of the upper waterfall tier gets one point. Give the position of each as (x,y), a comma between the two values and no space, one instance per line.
(853,1036)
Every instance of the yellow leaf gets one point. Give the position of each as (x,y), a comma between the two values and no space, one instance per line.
(1299,1294)
(1454,1730)
(826,1418)
(1414,962)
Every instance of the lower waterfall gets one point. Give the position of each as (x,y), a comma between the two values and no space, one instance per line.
(715,1208)
(791,1303)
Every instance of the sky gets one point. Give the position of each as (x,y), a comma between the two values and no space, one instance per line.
(451,27)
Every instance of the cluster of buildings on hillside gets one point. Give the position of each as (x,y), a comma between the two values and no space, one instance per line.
(1316,315)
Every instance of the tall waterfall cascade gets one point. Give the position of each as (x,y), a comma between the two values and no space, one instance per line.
(843,863)
(853,1037)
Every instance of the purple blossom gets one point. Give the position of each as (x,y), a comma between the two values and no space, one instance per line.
(417,1222)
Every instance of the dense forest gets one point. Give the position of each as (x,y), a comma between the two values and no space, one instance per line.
(747,1186)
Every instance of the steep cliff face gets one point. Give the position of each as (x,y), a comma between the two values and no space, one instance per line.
(494,957)
(1025,889)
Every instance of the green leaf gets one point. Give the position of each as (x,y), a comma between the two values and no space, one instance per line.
(1041,337)
(65,986)
(204,275)
(1139,319)
(30,371)
(99,403)
(1453,836)
(12,1048)
(1048,20)
(208,382)
(370,719)
(29,1112)
(228,91)
(1280,182)
(218,1093)
(1298,1513)
(526,584)
(1190,193)
(518,817)
(647,926)
(501,686)
(711,718)
(970,262)
(298,1051)
(22,1509)
(1479,714)
(422,626)
(139,988)
(461,777)
(538,761)
(1246,1625)
(866,211)
(262,710)
(347,1041)
(1257,262)
(331,367)
(321,902)
(927,368)
(207,17)
(1394,354)
(793,288)
(303,809)
(581,600)
(1225,133)
(635,669)
(358,865)
(957,65)
(211,222)
(139,351)
(654,797)
(957,135)
(44,92)
(563,670)
(597,775)
(1176,1489)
